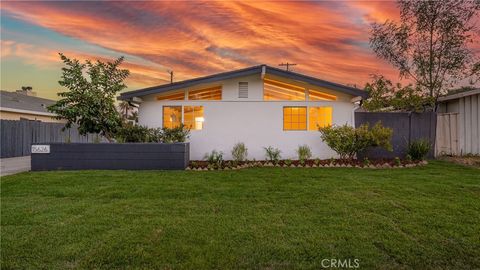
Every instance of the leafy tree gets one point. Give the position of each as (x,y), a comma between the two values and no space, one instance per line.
(385,96)
(89,101)
(431,43)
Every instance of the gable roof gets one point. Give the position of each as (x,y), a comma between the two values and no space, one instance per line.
(21,102)
(241,73)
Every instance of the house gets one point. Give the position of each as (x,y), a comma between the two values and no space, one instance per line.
(24,105)
(260,106)
(458,123)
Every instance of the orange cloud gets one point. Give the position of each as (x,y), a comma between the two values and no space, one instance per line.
(325,39)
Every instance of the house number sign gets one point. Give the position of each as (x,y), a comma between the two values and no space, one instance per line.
(40,149)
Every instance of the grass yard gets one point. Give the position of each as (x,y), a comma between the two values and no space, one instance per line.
(272,218)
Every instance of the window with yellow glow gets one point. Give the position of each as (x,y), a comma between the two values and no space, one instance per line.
(315,95)
(295,118)
(193,117)
(211,93)
(276,90)
(319,117)
(172,116)
(172,96)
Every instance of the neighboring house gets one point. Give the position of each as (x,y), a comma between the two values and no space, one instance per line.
(24,105)
(260,106)
(458,124)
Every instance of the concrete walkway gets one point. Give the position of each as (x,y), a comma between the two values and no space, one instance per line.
(14,165)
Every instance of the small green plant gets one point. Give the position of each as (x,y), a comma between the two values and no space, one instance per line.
(302,162)
(304,152)
(287,162)
(418,149)
(239,152)
(398,162)
(193,164)
(408,158)
(214,159)
(272,154)
(316,161)
(366,162)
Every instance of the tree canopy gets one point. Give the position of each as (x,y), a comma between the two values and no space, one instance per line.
(90,99)
(432,43)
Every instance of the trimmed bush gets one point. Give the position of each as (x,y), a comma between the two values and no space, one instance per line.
(348,141)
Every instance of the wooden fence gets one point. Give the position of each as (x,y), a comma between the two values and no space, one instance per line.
(16,136)
(407,127)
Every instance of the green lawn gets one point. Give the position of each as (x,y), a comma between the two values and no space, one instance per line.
(273,218)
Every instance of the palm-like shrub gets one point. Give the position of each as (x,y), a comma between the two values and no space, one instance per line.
(272,154)
(214,159)
(418,149)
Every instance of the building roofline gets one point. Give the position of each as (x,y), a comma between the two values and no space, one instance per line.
(6,109)
(459,95)
(240,73)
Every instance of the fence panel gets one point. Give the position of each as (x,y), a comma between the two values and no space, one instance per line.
(406,127)
(17,136)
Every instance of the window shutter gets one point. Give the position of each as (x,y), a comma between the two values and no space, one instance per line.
(243,89)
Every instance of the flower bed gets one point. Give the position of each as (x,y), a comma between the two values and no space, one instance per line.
(201,165)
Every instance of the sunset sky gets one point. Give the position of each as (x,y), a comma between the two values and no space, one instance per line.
(327,39)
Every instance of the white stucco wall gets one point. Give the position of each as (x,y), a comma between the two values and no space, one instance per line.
(255,122)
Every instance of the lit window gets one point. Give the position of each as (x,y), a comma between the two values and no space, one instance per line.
(193,117)
(172,116)
(275,90)
(211,93)
(172,96)
(319,117)
(295,118)
(315,95)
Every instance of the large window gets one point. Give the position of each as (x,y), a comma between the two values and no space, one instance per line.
(276,90)
(172,116)
(193,117)
(319,117)
(211,93)
(295,118)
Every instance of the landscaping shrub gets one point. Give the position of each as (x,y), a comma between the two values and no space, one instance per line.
(214,159)
(418,149)
(348,141)
(135,133)
(239,152)
(272,154)
(176,134)
(304,152)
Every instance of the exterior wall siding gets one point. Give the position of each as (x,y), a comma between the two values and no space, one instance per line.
(255,122)
(468,125)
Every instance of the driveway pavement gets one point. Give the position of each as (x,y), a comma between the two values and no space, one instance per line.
(14,165)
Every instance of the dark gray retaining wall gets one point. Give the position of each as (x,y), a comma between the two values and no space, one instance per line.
(407,127)
(112,156)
